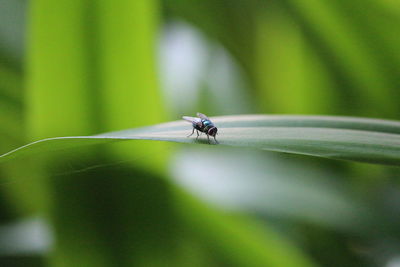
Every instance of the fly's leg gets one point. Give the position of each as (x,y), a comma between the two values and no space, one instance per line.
(191,133)
(197,134)
(208,137)
(216,140)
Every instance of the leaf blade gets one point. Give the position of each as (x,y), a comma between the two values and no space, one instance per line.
(345,138)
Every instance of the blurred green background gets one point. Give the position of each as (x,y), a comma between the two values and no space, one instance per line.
(81,67)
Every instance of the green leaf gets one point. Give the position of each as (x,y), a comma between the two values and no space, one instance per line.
(221,232)
(356,139)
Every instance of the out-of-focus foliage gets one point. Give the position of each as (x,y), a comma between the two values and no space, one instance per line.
(77,67)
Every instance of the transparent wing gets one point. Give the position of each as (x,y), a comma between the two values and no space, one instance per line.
(193,120)
(202,116)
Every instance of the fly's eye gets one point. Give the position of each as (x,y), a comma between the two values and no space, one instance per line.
(213,131)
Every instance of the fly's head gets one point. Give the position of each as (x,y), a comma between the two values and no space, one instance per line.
(212,131)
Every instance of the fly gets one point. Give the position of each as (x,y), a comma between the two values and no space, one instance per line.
(202,124)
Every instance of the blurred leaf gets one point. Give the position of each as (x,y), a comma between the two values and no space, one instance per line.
(291,68)
(127,68)
(273,185)
(239,240)
(12,37)
(351,56)
(126,73)
(10,84)
(90,64)
(229,22)
(59,81)
(11,109)
(356,139)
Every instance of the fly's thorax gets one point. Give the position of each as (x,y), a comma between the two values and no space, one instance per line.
(207,125)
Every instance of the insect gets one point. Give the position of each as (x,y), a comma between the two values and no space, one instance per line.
(202,124)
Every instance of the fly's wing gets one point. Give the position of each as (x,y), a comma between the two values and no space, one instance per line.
(202,116)
(193,120)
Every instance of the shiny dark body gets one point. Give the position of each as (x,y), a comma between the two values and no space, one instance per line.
(204,125)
